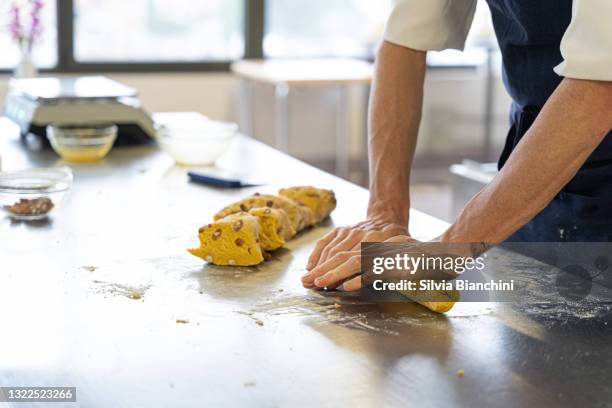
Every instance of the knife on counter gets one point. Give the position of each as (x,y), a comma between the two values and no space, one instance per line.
(222,180)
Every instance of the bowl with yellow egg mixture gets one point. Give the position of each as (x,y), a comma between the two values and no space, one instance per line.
(82,143)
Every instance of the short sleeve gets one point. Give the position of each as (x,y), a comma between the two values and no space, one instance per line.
(586,46)
(431,25)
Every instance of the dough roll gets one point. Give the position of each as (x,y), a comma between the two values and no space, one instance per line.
(299,217)
(321,202)
(444,299)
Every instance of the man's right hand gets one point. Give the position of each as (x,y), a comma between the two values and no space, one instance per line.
(343,267)
(394,116)
(375,229)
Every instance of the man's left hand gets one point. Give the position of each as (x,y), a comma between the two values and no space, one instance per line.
(343,269)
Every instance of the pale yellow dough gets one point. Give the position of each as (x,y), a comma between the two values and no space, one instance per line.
(321,202)
(299,217)
(275,227)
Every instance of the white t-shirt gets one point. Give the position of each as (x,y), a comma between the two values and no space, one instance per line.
(434,25)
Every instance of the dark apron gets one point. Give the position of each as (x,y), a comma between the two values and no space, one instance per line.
(529,33)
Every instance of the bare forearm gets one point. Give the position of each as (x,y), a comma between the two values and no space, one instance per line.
(572,124)
(394,118)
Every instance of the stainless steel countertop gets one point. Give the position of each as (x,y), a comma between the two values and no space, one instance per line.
(254,336)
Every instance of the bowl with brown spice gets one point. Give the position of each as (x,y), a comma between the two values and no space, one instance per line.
(30,195)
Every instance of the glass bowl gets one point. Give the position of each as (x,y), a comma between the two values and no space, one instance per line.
(84,143)
(30,195)
(196,145)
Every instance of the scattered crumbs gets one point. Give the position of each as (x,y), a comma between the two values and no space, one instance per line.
(337,305)
(90,268)
(135,294)
(250,384)
(245,313)
(182,321)
(250,314)
(460,372)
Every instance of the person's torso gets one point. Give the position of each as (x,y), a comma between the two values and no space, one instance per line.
(529,33)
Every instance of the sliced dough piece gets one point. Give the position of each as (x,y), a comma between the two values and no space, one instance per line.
(308,217)
(275,227)
(297,217)
(233,240)
(321,202)
(444,299)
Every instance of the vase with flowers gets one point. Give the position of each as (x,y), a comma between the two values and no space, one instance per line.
(26,29)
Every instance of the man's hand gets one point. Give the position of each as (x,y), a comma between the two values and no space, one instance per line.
(344,267)
(394,117)
(349,238)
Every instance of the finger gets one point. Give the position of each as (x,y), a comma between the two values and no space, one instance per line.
(334,277)
(381,236)
(352,284)
(353,238)
(340,237)
(321,244)
(374,236)
(401,238)
(309,278)
(338,275)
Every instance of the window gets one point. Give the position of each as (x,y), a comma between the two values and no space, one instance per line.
(314,28)
(158,30)
(45,51)
(353,28)
(146,35)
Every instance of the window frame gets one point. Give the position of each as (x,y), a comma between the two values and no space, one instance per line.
(254,31)
(66,63)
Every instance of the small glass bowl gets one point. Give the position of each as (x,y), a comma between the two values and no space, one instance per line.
(30,195)
(198,145)
(82,143)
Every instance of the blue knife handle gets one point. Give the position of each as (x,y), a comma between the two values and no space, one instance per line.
(214,181)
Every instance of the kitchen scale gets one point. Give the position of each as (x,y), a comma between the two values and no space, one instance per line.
(34,103)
